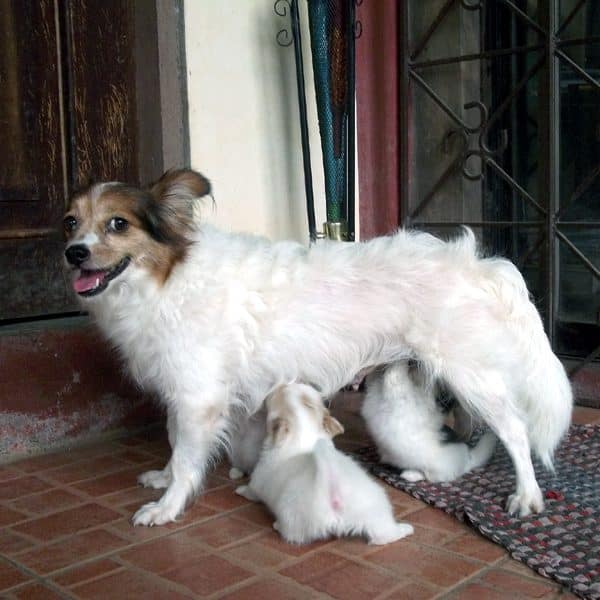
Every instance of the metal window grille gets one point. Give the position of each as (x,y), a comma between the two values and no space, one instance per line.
(500,130)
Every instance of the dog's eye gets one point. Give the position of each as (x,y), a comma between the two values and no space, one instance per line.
(117,224)
(70,224)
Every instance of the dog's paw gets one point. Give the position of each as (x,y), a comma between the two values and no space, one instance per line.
(524,504)
(399,531)
(154,513)
(155,479)
(235,473)
(412,475)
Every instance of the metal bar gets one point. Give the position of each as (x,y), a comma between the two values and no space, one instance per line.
(579,224)
(20,234)
(482,55)
(570,17)
(577,68)
(478,223)
(541,30)
(351,123)
(532,250)
(579,191)
(516,90)
(427,35)
(432,94)
(452,168)
(549,157)
(578,253)
(404,109)
(512,183)
(308,178)
(578,41)
(593,355)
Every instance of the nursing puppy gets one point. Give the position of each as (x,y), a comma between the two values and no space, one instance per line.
(314,490)
(211,321)
(405,421)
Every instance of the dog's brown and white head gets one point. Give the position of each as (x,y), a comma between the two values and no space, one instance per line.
(295,413)
(111,227)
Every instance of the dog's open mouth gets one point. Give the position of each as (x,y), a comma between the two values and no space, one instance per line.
(90,283)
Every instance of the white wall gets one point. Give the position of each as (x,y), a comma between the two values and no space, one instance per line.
(244,124)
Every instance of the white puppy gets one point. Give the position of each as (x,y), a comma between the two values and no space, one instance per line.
(210,320)
(406,423)
(314,490)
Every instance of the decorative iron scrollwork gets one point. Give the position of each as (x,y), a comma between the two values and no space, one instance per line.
(476,5)
(484,152)
(284,36)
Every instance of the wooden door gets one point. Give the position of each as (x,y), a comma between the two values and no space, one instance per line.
(79,101)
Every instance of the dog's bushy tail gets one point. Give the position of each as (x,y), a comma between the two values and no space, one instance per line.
(548,403)
(545,397)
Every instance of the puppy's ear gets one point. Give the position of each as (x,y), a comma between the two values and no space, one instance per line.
(309,403)
(278,429)
(332,426)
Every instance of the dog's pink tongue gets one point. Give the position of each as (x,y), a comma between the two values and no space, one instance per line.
(87,281)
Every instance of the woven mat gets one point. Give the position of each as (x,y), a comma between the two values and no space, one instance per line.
(563,542)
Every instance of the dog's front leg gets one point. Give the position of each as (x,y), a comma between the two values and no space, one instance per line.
(197,427)
(160,479)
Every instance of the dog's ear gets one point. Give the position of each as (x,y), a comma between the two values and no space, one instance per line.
(170,214)
(180,184)
(278,429)
(332,426)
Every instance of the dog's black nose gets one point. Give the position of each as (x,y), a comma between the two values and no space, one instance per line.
(77,254)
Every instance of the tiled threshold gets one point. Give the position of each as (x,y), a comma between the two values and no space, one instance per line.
(65,533)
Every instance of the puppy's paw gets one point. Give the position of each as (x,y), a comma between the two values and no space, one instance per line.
(246,492)
(154,513)
(155,479)
(399,531)
(235,473)
(525,503)
(412,476)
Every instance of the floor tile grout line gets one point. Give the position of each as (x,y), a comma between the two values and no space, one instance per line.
(113,440)
(127,546)
(132,567)
(33,575)
(119,567)
(32,516)
(496,566)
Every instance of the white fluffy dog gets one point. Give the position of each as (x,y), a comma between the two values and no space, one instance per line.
(212,320)
(314,490)
(406,423)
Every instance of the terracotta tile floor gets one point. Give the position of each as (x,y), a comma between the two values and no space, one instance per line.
(65,533)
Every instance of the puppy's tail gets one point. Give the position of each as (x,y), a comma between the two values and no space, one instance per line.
(481,453)
(324,454)
(456,458)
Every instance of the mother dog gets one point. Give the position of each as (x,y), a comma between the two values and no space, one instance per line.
(213,321)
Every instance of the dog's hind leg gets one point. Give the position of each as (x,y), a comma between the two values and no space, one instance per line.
(511,430)
(487,394)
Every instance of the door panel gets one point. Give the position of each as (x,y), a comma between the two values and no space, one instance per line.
(33,165)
